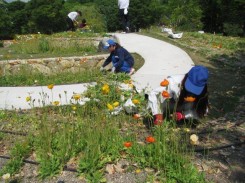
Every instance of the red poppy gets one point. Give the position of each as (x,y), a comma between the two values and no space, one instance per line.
(127,144)
(150,139)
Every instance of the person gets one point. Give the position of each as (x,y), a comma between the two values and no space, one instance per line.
(71,19)
(83,24)
(123,14)
(121,59)
(184,97)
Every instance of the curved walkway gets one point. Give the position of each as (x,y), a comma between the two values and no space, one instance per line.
(161,59)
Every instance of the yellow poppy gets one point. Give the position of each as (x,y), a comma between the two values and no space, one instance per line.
(76,96)
(110,107)
(28,99)
(105,89)
(115,104)
(50,86)
(74,108)
(56,103)
(135,101)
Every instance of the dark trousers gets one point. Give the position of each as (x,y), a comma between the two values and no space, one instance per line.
(70,23)
(124,20)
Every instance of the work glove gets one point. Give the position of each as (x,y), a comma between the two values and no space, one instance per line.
(113,69)
(179,116)
(125,11)
(102,69)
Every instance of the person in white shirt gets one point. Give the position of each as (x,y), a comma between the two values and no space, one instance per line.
(182,97)
(123,13)
(71,19)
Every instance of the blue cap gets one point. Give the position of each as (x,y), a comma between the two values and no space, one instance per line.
(196,80)
(108,43)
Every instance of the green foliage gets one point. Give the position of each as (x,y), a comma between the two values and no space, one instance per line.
(18,153)
(47,13)
(231,29)
(43,45)
(5,24)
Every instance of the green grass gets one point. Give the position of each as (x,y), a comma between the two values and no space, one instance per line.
(93,137)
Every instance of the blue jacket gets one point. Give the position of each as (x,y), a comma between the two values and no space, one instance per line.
(119,56)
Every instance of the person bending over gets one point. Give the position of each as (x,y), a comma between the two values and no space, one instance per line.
(72,19)
(183,96)
(120,58)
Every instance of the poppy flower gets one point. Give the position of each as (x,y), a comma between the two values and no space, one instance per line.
(136,116)
(105,89)
(189,99)
(28,99)
(135,101)
(110,107)
(115,104)
(164,83)
(165,94)
(76,96)
(127,144)
(194,139)
(56,103)
(74,108)
(50,86)
(150,139)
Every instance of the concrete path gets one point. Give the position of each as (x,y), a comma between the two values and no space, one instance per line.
(161,59)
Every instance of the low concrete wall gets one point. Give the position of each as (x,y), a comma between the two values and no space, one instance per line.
(52,65)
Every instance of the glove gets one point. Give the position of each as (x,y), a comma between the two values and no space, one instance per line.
(179,116)
(125,11)
(113,69)
(102,69)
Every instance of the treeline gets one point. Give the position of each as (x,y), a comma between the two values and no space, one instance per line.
(48,16)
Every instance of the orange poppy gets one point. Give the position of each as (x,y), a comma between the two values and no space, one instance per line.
(150,139)
(127,144)
(164,83)
(136,116)
(165,94)
(189,99)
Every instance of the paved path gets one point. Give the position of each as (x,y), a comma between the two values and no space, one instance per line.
(161,59)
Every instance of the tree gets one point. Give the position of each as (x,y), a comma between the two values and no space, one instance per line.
(46,16)
(5,23)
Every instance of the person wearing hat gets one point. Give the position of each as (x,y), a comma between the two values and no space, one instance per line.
(184,97)
(71,19)
(120,58)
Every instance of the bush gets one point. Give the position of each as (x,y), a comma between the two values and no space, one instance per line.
(231,29)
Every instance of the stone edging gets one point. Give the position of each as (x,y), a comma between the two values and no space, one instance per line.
(52,65)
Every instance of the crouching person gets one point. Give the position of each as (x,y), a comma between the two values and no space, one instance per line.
(121,59)
(184,97)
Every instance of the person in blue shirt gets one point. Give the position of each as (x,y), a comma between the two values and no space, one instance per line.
(120,58)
